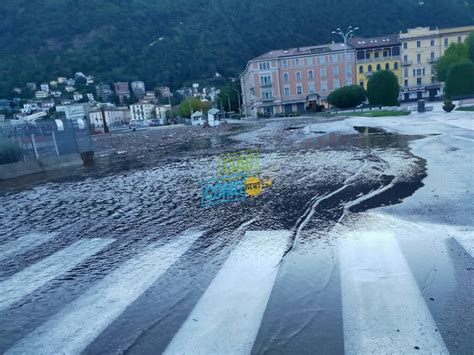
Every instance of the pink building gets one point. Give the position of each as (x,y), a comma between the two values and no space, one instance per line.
(290,80)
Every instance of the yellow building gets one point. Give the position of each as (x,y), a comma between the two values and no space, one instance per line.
(373,54)
(421,47)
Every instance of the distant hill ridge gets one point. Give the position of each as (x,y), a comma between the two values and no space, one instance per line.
(173,41)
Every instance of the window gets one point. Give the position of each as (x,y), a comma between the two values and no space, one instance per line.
(348,70)
(322,72)
(296,62)
(378,67)
(386,53)
(348,80)
(418,44)
(309,61)
(418,72)
(406,82)
(265,80)
(336,84)
(335,72)
(414,72)
(418,58)
(334,58)
(360,55)
(286,77)
(322,59)
(418,81)
(423,71)
(361,84)
(361,69)
(264,65)
(376,55)
(367,55)
(369,68)
(405,74)
(310,75)
(267,94)
(405,58)
(432,43)
(395,66)
(287,91)
(446,43)
(405,45)
(459,39)
(387,66)
(324,85)
(312,88)
(432,55)
(299,90)
(395,51)
(298,76)
(285,63)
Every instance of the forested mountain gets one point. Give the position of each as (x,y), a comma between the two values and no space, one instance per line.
(172,41)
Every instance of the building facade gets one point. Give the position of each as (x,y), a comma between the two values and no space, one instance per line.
(138,89)
(113,116)
(142,112)
(122,91)
(421,47)
(286,81)
(374,54)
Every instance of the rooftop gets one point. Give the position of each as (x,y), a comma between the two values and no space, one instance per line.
(291,52)
(382,41)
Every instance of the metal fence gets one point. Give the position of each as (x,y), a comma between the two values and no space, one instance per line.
(37,140)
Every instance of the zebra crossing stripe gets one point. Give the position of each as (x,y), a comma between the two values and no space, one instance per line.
(78,324)
(24,244)
(227,317)
(383,308)
(467,242)
(25,282)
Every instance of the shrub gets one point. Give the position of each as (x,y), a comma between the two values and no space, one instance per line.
(460,80)
(383,89)
(10,152)
(347,96)
(448,106)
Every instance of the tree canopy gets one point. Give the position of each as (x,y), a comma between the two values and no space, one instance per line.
(460,80)
(456,53)
(383,89)
(191,105)
(347,96)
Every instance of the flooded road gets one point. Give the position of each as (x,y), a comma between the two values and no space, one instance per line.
(122,258)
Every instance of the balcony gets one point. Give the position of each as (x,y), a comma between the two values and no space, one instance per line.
(266,85)
(379,59)
(268,99)
(406,63)
(369,74)
(432,60)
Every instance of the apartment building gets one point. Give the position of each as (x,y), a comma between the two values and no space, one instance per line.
(289,80)
(138,89)
(421,47)
(122,90)
(142,111)
(374,54)
(114,116)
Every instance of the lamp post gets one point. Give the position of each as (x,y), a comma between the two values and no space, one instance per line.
(345,35)
(238,95)
(228,102)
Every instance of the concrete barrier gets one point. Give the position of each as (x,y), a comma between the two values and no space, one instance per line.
(13,170)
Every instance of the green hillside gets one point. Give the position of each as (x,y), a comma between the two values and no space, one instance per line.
(172,41)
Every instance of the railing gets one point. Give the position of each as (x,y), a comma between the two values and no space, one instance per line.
(407,63)
(268,99)
(379,59)
(432,60)
(266,85)
(369,74)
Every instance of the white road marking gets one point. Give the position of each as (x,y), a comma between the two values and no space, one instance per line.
(24,244)
(383,308)
(79,323)
(227,317)
(28,280)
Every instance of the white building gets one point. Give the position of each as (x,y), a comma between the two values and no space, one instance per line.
(40,94)
(142,111)
(113,116)
(69,88)
(197,118)
(44,87)
(214,117)
(138,89)
(61,80)
(74,111)
(77,96)
(161,113)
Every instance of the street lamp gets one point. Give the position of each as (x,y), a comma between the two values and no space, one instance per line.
(238,95)
(350,31)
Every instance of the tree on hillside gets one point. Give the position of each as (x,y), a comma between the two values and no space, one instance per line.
(456,53)
(460,80)
(227,93)
(347,96)
(383,89)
